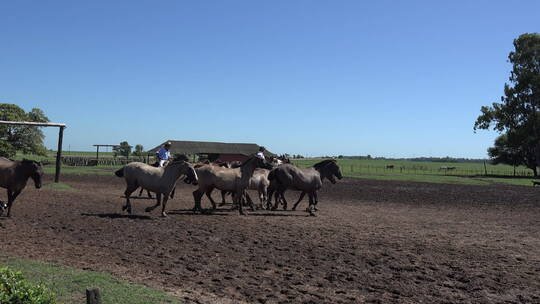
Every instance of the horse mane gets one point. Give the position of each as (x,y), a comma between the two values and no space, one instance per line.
(29,162)
(247,160)
(179,157)
(323,163)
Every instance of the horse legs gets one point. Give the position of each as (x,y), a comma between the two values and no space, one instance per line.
(262,197)
(165,199)
(237,198)
(209,195)
(223,195)
(12,195)
(311,204)
(279,194)
(147,192)
(284,201)
(249,201)
(197,195)
(269,198)
(299,200)
(127,193)
(158,202)
(172,192)
(316,201)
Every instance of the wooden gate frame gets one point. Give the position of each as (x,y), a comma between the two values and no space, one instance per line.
(45,124)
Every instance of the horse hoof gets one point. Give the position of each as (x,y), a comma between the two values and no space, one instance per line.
(163,214)
(312,214)
(148,209)
(129,210)
(285,208)
(124,208)
(293,209)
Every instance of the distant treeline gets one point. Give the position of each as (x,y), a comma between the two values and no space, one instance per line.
(418,159)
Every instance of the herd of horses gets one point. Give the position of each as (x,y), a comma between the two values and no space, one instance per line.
(268,178)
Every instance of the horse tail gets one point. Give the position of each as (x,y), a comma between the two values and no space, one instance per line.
(119,172)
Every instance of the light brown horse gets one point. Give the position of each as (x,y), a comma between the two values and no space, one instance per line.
(14,176)
(161,180)
(235,180)
(259,182)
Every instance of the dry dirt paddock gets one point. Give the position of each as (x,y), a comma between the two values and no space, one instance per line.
(372,241)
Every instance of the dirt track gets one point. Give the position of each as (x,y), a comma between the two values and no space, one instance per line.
(372,242)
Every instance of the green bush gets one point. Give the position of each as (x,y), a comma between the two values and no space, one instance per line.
(14,289)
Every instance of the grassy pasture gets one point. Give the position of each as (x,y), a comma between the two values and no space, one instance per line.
(404,170)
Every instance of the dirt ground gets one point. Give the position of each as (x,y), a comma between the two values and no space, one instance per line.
(372,241)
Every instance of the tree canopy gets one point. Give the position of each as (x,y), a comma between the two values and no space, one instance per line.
(123,149)
(27,139)
(517,116)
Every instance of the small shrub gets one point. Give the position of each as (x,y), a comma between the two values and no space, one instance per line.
(14,289)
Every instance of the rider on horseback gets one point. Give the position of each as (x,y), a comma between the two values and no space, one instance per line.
(163,154)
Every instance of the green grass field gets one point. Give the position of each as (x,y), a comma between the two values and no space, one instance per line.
(69,284)
(465,173)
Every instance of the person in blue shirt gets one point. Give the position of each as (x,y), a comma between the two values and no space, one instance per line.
(163,154)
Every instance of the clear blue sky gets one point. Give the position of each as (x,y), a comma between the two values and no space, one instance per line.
(386,78)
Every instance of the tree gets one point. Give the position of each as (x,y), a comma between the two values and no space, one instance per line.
(517,116)
(123,149)
(138,150)
(27,139)
(510,149)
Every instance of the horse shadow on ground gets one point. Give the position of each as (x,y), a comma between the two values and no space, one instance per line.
(118,216)
(228,212)
(139,197)
(218,212)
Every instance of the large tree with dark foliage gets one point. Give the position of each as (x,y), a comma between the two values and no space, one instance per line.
(517,116)
(26,139)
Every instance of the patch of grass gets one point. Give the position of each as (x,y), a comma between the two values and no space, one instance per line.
(70,284)
(59,186)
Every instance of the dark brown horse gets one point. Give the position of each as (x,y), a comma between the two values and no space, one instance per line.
(15,174)
(308,180)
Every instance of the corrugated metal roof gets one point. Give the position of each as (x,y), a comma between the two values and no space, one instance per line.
(204,147)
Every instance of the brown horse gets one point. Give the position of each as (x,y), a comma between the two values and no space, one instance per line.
(14,176)
(308,180)
(229,179)
(159,180)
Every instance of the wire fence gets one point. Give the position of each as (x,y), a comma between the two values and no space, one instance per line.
(424,170)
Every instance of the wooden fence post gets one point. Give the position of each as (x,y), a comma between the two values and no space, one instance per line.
(93,296)
(59,155)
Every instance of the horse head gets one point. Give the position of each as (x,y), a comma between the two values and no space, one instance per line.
(329,169)
(191,175)
(34,170)
(262,163)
